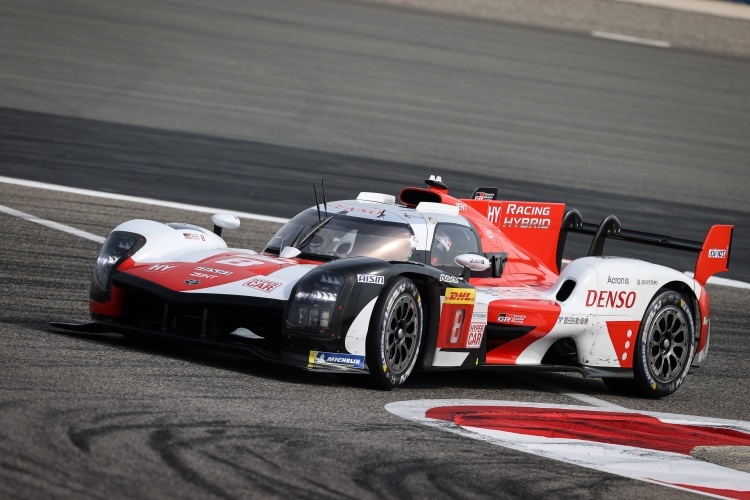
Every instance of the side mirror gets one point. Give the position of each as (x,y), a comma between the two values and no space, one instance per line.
(472,262)
(289,252)
(229,222)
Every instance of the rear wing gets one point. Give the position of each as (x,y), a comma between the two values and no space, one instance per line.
(713,251)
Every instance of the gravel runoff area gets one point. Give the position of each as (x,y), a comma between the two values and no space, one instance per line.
(681,23)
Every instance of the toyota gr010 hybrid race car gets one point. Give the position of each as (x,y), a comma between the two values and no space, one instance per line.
(429,282)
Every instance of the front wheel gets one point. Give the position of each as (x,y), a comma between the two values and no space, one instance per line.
(395,334)
(664,350)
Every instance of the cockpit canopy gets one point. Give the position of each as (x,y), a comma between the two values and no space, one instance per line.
(345,235)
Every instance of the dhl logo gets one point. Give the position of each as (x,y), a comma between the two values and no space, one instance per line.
(460,296)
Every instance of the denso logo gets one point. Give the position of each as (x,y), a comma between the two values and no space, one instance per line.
(371,278)
(715,253)
(527,222)
(608,299)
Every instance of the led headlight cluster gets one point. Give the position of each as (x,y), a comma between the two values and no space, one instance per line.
(314,302)
(117,247)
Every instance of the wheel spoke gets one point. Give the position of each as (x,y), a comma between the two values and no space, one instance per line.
(668,344)
(402,331)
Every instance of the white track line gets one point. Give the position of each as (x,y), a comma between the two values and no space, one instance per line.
(51,224)
(631,39)
(137,199)
(196,208)
(550,387)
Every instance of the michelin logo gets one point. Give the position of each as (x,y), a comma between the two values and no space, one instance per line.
(320,358)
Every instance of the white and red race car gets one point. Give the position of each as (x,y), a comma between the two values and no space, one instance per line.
(430,282)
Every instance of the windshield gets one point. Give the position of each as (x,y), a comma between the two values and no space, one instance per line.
(345,236)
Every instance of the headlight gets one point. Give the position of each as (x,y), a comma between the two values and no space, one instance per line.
(117,247)
(314,302)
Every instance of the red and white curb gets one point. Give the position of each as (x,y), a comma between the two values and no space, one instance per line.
(647,446)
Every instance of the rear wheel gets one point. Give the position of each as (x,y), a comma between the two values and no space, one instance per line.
(664,350)
(395,334)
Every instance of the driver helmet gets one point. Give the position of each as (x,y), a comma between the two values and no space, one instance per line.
(441,249)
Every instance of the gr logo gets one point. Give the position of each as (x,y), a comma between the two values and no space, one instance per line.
(371,278)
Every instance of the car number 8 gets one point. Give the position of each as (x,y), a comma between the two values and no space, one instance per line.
(458,325)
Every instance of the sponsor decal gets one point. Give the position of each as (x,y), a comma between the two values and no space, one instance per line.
(493,213)
(484,196)
(447,278)
(192,282)
(371,278)
(610,299)
(160,268)
(617,281)
(460,296)
(337,359)
(461,206)
(479,316)
(517,210)
(573,320)
(212,270)
(659,448)
(511,318)
(361,210)
(262,284)
(647,282)
(203,275)
(476,332)
(716,253)
(194,236)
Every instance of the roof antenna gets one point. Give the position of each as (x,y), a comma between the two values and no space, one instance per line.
(317,205)
(325,205)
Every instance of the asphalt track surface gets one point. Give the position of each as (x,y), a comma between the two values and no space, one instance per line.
(101,416)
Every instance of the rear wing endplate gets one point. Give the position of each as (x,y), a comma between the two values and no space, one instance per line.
(713,251)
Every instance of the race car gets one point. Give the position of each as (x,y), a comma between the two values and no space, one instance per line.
(381,287)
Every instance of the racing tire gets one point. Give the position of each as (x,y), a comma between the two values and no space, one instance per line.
(395,334)
(664,349)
